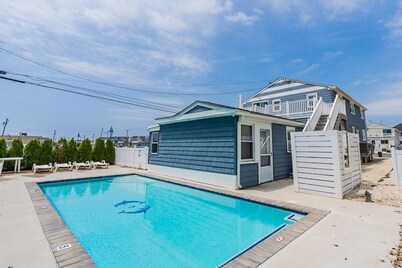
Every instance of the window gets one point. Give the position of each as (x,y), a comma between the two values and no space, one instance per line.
(352,108)
(289,131)
(362,114)
(353,130)
(387,132)
(154,142)
(311,100)
(276,105)
(364,134)
(357,131)
(247,144)
(384,142)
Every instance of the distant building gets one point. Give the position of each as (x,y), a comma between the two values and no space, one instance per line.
(399,127)
(134,141)
(383,136)
(23,136)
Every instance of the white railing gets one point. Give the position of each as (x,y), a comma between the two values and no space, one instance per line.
(315,117)
(338,107)
(288,108)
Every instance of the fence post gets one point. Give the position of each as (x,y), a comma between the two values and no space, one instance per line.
(294,161)
(338,166)
(395,166)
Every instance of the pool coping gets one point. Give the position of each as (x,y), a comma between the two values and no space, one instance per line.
(58,233)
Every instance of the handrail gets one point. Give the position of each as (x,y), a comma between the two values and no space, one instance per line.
(337,108)
(288,108)
(315,117)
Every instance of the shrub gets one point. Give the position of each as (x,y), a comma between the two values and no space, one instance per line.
(109,151)
(60,151)
(85,151)
(16,150)
(98,153)
(32,153)
(72,152)
(3,148)
(46,152)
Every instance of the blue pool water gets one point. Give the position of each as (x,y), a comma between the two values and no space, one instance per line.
(134,221)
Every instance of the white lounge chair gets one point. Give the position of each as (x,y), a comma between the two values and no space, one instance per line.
(36,168)
(67,166)
(102,164)
(77,166)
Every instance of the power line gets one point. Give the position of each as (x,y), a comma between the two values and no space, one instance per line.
(157,85)
(121,86)
(92,90)
(93,96)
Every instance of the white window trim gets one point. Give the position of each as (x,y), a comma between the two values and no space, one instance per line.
(252,141)
(362,116)
(289,129)
(364,134)
(153,142)
(353,130)
(279,105)
(352,108)
(311,95)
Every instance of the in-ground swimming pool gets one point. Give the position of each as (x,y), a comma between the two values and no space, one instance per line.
(134,221)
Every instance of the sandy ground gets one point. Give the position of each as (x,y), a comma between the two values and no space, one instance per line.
(378,180)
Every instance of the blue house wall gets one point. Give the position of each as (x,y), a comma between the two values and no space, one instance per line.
(355,120)
(205,145)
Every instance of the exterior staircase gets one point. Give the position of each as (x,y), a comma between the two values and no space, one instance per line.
(321,122)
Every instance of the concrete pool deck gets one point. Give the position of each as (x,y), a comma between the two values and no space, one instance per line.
(354,234)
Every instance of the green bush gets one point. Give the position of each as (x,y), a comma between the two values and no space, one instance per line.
(72,153)
(85,151)
(110,151)
(60,151)
(32,153)
(46,152)
(16,150)
(98,153)
(3,148)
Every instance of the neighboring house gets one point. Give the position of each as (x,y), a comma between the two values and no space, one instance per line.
(399,128)
(222,145)
(24,138)
(320,106)
(383,137)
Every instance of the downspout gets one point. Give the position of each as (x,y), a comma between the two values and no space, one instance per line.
(238,146)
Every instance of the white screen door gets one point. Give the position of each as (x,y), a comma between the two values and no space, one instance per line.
(266,173)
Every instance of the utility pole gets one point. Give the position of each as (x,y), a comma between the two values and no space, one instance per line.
(240,100)
(127,133)
(5,124)
(101,133)
(93,137)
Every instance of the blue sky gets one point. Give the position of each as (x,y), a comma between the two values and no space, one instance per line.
(170,46)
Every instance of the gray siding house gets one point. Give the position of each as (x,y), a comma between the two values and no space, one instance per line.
(320,106)
(221,145)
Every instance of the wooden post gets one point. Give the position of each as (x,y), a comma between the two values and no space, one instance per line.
(336,140)
(294,160)
(287,108)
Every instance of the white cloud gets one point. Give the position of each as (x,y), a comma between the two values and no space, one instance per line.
(309,69)
(388,102)
(242,17)
(394,26)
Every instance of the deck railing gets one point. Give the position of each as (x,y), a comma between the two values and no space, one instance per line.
(288,108)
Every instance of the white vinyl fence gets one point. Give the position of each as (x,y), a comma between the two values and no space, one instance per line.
(132,157)
(326,163)
(397,165)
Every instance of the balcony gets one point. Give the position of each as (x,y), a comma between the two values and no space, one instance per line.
(291,109)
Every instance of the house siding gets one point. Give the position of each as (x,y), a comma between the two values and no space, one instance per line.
(355,120)
(282,160)
(326,95)
(248,175)
(204,145)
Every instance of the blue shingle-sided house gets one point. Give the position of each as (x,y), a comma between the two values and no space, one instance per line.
(221,145)
(320,106)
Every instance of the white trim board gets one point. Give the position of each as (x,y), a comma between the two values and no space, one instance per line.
(218,179)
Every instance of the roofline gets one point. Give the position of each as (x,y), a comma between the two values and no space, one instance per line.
(235,111)
(331,87)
